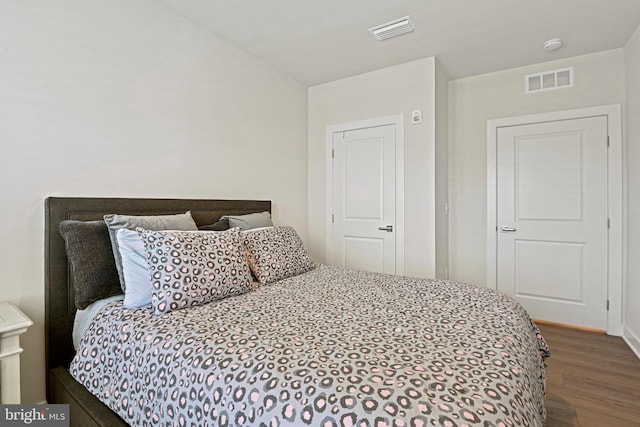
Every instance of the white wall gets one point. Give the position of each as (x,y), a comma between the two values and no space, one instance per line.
(387,92)
(125,98)
(632,73)
(599,80)
(442,169)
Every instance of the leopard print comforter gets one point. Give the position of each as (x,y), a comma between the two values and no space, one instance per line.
(330,347)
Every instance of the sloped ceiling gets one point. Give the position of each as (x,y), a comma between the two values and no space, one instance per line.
(325,40)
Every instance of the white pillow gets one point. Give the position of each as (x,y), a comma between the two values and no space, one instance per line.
(134,268)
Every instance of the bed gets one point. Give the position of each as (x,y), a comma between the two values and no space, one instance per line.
(324,346)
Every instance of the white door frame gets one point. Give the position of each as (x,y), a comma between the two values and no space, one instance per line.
(615,198)
(398,121)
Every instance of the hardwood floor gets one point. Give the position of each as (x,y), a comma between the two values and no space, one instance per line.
(592,379)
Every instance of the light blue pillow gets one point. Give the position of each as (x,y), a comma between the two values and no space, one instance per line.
(249,221)
(148,222)
(134,268)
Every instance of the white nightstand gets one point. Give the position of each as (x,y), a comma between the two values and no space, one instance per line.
(13,323)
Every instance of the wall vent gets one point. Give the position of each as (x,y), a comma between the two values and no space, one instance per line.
(548,80)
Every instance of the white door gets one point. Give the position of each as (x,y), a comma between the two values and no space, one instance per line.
(363,193)
(552,219)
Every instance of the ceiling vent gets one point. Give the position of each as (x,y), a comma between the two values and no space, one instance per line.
(392,29)
(548,80)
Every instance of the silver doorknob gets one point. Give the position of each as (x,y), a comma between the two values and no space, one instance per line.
(507,229)
(388,228)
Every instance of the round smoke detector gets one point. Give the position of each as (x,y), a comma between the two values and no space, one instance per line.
(552,44)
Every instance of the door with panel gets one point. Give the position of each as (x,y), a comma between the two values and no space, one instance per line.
(363,199)
(552,219)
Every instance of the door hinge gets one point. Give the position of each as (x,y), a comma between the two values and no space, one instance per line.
(608,141)
(607,305)
(609,223)
(333,218)
(333,153)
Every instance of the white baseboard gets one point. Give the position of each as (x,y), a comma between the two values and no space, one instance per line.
(632,341)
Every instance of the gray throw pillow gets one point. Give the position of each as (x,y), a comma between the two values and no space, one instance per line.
(221,225)
(93,270)
(152,222)
(249,221)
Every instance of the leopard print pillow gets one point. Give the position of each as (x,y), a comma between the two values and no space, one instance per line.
(276,253)
(190,268)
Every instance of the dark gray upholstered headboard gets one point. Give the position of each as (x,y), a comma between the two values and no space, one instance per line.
(59,296)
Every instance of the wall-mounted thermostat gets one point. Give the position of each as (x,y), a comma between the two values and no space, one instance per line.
(416,117)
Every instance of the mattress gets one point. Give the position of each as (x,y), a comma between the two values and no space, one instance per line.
(327,347)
